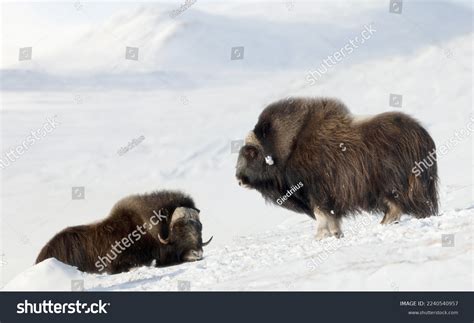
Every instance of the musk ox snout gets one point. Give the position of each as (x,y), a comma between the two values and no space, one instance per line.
(192,255)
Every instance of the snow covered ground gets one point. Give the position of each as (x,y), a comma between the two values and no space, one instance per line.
(408,257)
(190,100)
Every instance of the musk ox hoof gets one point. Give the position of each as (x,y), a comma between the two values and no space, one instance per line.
(338,234)
(325,233)
(388,222)
(322,234)
(328,225)
(392,216)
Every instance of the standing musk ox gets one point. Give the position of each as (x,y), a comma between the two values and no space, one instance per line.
(328,164)
(163,226)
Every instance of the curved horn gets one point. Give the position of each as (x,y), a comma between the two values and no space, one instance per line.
(184,213)
(208,241)
(163,241)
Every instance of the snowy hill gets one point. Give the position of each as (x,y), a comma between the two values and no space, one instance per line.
(194,48)
(190,100)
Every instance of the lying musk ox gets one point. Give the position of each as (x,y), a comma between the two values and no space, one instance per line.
(312,156)
(163,226)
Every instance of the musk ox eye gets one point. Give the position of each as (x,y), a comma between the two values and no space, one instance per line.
(198,226)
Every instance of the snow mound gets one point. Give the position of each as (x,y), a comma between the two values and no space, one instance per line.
(48,275)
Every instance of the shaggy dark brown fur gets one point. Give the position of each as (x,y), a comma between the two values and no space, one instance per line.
(171,233)
(345,165)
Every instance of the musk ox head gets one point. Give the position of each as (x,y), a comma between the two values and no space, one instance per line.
(280,131)
(184,240)
(262,159)
(253,167)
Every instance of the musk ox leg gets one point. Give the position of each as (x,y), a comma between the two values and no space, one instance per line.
(393,213)
(328,226)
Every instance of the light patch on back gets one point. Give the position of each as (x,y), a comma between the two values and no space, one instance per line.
(358,119)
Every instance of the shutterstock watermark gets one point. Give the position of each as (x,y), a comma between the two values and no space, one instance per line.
(15,153)
(129,240)
(183,8)
(50,307)
(330,246)
(132,144)
(445,148)
(313,76)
